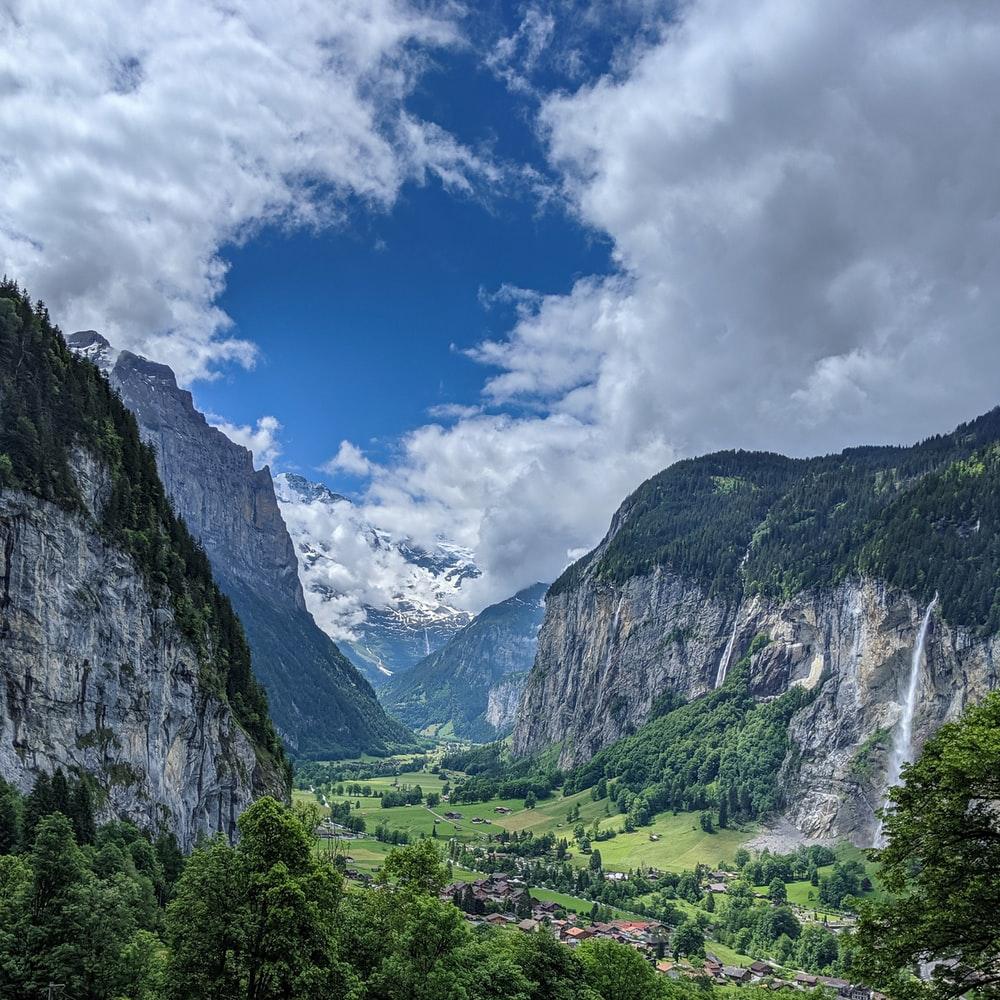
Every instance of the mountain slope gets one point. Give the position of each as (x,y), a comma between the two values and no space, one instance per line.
(320,704)
(121,657)
(389,601)
(831,561)
(471,686)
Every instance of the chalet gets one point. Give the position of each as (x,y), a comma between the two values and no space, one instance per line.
(760,969)
(528,926)
(503,810)
(716,887)
(803,979)
(615,877)
(840,985)
(452,815)
(498,919)
(736,973)
(574,935)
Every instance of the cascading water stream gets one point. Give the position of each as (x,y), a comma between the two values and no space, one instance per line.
(902,744)
(427,644)
(613,632)
(727,653)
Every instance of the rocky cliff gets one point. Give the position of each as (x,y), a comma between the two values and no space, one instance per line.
(319,703)
(98,678)
(832,562)
(471,686)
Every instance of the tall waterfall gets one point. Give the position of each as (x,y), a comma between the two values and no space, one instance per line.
(613,632)
(427,644)
(902,744)
(727,655)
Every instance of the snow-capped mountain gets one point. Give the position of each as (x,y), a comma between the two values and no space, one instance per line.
(387,601)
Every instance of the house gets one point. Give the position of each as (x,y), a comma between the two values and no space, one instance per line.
(736,973)
(759,969)
(805,980)
(498,919)
(503,810)
(615,877)
(528,926)
(574,935)
(452,815)
(716,887)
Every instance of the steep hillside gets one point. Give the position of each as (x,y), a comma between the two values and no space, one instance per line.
(471,686)
(833,561)
(121,657)
(320,704)
(387,600)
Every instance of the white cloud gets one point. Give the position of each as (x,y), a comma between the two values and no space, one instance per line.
(350,459)
(137,139)
(261,440)
(805,215)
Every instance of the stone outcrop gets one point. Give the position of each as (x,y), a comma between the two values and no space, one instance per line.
(98,678)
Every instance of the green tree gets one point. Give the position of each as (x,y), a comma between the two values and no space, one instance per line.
(617,973)
(778,891)
(689,939)
(417,867)
(595,863)
(257,920)
(940,868)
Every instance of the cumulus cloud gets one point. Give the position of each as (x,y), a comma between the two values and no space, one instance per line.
(803,203)
(262,439)
(350,459)
(137,139)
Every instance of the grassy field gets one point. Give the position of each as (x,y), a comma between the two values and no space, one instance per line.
(680,843)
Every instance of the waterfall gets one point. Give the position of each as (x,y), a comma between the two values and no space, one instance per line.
(902,744)
(727,653)
(427,644)
(613,632)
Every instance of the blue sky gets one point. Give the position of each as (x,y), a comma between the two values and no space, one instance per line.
(735,225)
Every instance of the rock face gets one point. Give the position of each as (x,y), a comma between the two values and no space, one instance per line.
(605,654)
(98,678)
(473,683)
(319,703)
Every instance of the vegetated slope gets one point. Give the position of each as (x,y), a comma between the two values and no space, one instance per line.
(320,704)
(475,680)
(95,566)
(833,559)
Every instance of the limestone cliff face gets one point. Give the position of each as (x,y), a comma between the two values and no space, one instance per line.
(606,653)
(319,703)
(502,701)
(98,678)
(230,506)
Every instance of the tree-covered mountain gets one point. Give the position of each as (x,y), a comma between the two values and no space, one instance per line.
(121,656)
(320,704)
(832,564)
(471,686)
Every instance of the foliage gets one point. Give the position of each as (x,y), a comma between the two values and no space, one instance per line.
(940,867)
(725,744)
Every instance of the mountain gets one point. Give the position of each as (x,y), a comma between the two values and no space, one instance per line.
(816,610)
(121,658)
(387,600)
(319,703)
(470,687)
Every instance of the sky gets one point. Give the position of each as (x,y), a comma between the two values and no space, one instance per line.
(486,267)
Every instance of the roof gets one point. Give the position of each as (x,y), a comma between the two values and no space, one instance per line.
(528,925)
